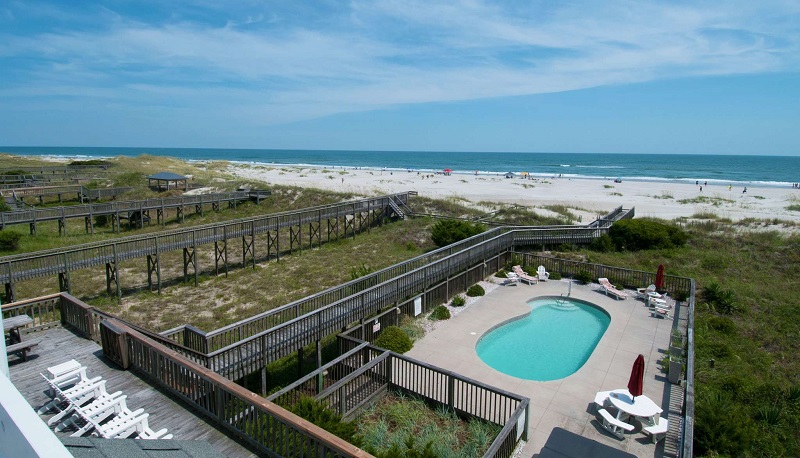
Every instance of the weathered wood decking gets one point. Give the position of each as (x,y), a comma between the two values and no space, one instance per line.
(60,344)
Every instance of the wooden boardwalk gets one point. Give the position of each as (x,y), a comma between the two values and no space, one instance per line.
(60,344)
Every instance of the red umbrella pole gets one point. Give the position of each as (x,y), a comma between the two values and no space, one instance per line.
(660,277)
(636,382)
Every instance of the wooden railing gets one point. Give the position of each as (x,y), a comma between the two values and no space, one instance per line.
(687,431)
(44,311)
(627,277)
(51,262)
(117,208)
(262,424)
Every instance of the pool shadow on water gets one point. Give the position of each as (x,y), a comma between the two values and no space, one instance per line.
(565,444)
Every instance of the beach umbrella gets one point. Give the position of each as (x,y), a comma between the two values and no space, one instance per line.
(448,171)
(660,277)
(637,377)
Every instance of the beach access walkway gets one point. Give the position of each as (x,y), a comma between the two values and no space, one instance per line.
(568,403)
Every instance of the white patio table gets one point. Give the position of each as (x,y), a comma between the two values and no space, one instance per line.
(641,407)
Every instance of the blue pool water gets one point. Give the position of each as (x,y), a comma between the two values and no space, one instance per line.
(550,343)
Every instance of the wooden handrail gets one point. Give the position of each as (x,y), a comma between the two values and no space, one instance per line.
(309,429)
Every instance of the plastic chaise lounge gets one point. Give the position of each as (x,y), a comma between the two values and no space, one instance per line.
(543,274)
(642,293)
(523,276)
(609,289)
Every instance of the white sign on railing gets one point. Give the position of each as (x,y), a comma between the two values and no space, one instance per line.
(418,306)
(521,424)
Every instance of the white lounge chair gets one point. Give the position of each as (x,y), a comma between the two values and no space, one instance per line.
(80,389)
(657,431)
(609,289)
(523,276)
(614,426)
(543,274)
(98,410)
(642,293)
(66,374)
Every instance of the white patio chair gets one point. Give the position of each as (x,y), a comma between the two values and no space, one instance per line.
(543,274)
(81,392)
(97,410)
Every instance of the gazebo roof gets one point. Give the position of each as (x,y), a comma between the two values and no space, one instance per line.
(167,176)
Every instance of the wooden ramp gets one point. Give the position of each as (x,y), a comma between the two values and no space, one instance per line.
(59,344)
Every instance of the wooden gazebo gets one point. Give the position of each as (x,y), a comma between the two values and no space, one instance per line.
(165,180)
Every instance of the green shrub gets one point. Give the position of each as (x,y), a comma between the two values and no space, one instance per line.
(583,277)
(440,313)
(722,325)
(316,412)
(450,231)
(641,234)
(394,339)
(793,394)
(602,244)
(101,220)
(361,271)
(475,291)
(502,273)
(722,427)
(459,301)
(723,301)
(554,276)
(4,206)
(9,241)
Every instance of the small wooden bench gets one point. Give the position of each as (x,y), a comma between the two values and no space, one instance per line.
(657,431)
(613,425)
(22,348)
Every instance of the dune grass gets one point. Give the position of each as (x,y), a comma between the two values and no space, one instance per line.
(396,417)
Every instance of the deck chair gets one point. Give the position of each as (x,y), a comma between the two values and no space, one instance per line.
(98,410)
(609,289)
(66,401)
(542,274)
(642,293)
(67,374)
(523,276)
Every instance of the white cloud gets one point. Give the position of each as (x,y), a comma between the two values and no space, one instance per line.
(379,54)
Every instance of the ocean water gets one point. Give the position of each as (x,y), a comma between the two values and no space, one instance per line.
(772,171)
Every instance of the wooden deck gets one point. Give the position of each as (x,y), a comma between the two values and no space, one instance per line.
(59,344)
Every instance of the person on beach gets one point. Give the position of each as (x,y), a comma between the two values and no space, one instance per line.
(730,186)
(705,183)
(744,191)
(701,189)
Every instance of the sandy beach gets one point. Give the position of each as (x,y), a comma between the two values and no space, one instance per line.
(588,197)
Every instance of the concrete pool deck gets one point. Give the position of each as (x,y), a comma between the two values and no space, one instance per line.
(566,403)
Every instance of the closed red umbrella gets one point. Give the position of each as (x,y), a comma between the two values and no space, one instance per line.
(637,377)
(660,277)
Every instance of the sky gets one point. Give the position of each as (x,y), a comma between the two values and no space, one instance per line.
(698,77)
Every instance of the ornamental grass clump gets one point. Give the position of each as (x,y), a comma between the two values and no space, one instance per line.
(458,301)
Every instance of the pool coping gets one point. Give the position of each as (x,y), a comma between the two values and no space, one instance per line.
(568,402)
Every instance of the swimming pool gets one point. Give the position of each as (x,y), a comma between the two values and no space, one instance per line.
(550,343)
